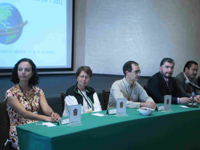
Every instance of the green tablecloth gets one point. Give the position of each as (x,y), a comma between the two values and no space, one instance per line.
(174,130)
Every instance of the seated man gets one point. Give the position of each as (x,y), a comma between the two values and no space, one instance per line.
(189,73)
(162,83)
(129,88)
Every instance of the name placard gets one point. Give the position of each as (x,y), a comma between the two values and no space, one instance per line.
(111,111)
(160,108)
(121,107)
(167,102)
(64,120)
(75,115)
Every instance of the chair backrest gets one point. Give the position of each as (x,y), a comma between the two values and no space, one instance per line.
(106,98)
(55,104)
(63,101)
(4,127)
(145,87)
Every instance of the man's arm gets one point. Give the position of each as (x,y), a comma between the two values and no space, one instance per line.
(146,101)
(116,92)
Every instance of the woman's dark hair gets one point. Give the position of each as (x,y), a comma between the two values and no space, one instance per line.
(85,69)
(33,80)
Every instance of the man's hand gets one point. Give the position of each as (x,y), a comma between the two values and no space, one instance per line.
(148,104)
(184,100)
(197,99)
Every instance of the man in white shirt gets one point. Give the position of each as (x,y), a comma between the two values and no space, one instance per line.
(129,88)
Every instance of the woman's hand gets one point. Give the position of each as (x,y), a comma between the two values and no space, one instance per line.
(55,117)
(48,119)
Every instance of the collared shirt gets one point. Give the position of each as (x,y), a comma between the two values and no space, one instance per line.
(166,79)
(186,76)
(135,94)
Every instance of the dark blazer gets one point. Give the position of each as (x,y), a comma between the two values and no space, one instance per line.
(157,88)
(185,89)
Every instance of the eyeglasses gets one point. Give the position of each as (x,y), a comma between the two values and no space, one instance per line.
(136,72)
(86,77)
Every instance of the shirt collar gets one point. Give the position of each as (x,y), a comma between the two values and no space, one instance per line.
(127,84)
(186,76)
(165,78)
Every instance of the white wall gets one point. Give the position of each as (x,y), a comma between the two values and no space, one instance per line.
(115,31)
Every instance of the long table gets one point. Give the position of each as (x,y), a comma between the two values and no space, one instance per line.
(176,130)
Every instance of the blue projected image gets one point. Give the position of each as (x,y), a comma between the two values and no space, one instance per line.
(37,29)
(11,24)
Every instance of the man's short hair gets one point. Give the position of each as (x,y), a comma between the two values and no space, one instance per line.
(189,64)
(128,66)
(169,60)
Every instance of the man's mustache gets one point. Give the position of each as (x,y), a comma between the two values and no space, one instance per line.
(168,73)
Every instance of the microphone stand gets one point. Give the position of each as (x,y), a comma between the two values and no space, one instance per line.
(192,105)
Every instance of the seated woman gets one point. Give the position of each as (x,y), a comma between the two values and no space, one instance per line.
(24,99)
(82,94)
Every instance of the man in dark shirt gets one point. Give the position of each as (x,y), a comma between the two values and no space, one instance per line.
(189,73)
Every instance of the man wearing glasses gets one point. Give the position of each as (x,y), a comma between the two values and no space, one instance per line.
(189,73)
(129,88)
(162,83)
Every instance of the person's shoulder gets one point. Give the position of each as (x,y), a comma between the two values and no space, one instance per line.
(71,90)
(179,75)
(118,82)
(89,88)
(37,90)
(155,79)
(36,87)
(138,85)
(13,88)
(155,76)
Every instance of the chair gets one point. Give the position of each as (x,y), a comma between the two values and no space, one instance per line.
(63,101)
(106,98)
(145,87)
(55,103)
(4,127)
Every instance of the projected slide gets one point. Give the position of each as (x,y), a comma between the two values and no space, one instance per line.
(36,29)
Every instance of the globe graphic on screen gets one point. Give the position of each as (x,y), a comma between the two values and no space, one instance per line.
(11,24)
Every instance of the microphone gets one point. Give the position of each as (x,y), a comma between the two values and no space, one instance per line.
(192,84)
